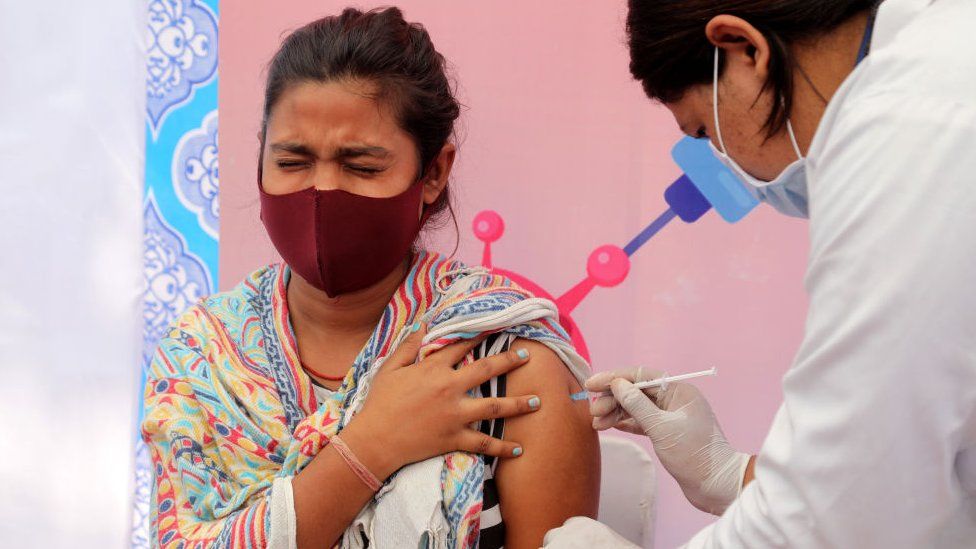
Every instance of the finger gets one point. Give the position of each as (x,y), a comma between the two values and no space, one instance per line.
(406,353)
(675,395)
(601,381)
(637,404)
(493,366)
(603,405)
(477,442)
(498,407)
(602,423)
(630,426)
(651,375)
(453,354)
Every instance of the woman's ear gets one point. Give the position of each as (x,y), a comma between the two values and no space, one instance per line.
(439,173)
(741,43)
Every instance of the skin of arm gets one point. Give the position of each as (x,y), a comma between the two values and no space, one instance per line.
(328,496)
(558,477)
(750,472)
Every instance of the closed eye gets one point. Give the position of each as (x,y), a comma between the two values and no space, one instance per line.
(291,164)
(699,132)
(364,170)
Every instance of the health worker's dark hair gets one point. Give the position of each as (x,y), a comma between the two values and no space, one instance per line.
(669,51)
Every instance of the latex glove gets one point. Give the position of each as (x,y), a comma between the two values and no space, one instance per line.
(606,411)
(685,433)
(584,533)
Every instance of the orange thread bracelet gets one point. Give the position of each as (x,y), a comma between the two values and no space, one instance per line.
(364,474)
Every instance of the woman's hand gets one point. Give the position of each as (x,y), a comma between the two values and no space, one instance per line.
(418,410)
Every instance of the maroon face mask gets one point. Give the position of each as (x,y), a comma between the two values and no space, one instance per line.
(341,242)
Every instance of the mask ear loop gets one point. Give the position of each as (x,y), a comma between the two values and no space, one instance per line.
(796,147)
(718,129)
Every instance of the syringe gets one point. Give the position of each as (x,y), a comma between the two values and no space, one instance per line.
(706,184)
(663,381)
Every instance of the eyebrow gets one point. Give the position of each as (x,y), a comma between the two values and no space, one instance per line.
(292,147)
(348,151)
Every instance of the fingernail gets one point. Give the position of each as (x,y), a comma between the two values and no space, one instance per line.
(415,327)
(534,403)
(523,354)
(517,452)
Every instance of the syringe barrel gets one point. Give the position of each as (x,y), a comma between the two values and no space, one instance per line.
(719,186)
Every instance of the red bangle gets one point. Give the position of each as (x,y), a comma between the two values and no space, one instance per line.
(364,474)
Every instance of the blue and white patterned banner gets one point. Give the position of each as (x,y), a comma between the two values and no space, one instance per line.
(181,210)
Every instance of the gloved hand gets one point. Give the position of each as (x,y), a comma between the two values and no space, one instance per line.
(683,429)
(584,533)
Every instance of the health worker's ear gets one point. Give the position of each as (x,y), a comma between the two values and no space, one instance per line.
(743,46)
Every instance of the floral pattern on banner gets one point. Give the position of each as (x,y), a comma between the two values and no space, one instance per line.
(195,174)
(181,210)
(174,278)
(143,490)
(181,54)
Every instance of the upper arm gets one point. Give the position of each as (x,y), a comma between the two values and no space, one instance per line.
(558,476)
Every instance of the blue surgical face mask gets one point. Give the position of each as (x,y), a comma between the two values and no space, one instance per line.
(788,191)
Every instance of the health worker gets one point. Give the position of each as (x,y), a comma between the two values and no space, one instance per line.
(862,118)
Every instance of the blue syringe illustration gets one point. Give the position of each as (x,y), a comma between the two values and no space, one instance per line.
(705,184)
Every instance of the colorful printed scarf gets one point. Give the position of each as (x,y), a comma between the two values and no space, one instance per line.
(228,408)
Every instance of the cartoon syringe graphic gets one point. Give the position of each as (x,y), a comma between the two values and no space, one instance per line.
(704,185)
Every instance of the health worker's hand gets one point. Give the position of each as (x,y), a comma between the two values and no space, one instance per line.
(681,425)
(585,533)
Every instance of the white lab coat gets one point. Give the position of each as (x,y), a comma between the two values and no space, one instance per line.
(875,443)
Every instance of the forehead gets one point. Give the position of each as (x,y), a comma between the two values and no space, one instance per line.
(340,110)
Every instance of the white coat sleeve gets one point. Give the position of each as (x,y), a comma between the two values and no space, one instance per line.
(870,444)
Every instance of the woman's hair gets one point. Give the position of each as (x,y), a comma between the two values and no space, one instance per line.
(381,48)
(669,51)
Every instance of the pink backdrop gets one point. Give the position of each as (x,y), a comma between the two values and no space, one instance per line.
(559,139)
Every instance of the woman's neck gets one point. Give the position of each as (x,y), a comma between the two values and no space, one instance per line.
(331,330)
(826,61)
